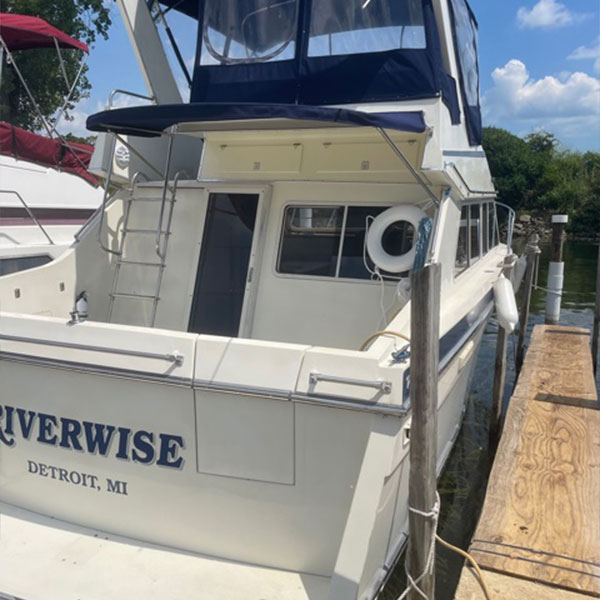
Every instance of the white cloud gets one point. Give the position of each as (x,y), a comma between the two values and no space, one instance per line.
(588,53)
(515,94)
(569,106)
(547,14)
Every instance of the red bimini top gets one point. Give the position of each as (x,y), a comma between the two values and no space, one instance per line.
(22,32)
(70,157)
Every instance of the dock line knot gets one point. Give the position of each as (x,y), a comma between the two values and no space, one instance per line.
(434,514)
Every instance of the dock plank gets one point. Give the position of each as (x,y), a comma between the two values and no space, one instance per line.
(541,516)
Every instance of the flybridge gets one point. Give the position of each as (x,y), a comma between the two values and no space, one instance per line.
(139,446)
(318,52)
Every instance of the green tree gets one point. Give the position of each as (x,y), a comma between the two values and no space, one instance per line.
(512,165)
(533,174)
(82,19)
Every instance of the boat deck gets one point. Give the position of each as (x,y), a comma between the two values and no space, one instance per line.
(539,531)
(45,559)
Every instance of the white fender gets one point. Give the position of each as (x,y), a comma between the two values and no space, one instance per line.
(506,304)
(388,262)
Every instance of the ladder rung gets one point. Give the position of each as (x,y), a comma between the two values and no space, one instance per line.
(127,230)
(137,199)
(140,263)
(135,296)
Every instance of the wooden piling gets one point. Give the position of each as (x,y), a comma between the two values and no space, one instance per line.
(596,331)
(425,317)
(499,382)
(532,251)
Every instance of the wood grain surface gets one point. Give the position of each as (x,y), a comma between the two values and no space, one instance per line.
(541,516)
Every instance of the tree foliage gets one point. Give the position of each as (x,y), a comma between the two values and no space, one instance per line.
(534,175)
(82,19)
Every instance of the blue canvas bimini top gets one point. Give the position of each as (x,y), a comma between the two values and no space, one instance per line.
(150,121)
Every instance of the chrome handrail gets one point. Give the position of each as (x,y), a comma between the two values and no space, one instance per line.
(104,205)
(31,215)
(512,217)
(163,255)
(174,357)
(112,95)
(164,198)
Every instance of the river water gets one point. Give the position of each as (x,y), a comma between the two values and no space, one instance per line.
(463,482)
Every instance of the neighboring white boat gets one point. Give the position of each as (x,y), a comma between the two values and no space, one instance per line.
(220,416)
(46,192)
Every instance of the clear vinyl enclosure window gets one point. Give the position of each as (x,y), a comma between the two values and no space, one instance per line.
(330,241)
(252,31)
(341,27)
(466,41)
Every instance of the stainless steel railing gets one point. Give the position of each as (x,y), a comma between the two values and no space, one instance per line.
(31,215)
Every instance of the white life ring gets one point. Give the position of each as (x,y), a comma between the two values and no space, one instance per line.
(382,259)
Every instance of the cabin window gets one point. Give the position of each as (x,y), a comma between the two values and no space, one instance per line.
(475,231)
(330,241)
(311,240)
(398,239)
(485,229)
(365,26)
(236,32)
(462,250)
(22,263)
(492,225)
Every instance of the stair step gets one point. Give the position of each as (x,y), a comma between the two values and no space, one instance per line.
(149,199)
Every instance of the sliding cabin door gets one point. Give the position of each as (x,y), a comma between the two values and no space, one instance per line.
(223,265)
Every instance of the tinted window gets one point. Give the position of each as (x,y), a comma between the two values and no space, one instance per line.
(492,225)
(475,231)
(311,240)
(484,228)
(397,239)
(365,26)
(12,265)
(251,31)
(223,267)
(462,250)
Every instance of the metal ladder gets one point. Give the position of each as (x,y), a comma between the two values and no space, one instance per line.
(161,247)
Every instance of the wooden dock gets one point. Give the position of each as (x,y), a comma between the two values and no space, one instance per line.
(538,536)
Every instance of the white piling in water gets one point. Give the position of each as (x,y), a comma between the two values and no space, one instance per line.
(556,270)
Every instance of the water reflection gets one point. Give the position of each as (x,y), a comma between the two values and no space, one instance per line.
(463,482)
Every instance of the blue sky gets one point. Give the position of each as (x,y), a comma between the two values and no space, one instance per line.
(539,65)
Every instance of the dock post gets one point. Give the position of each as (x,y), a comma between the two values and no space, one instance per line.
(422,494)
(556,270)
(532,250)
(596,331)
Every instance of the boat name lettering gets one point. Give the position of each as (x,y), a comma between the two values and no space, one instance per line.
(140,446)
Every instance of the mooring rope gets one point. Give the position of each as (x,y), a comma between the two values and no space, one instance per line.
(413,584)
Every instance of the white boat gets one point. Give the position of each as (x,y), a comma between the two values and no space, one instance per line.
(46,191)
(198,399)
